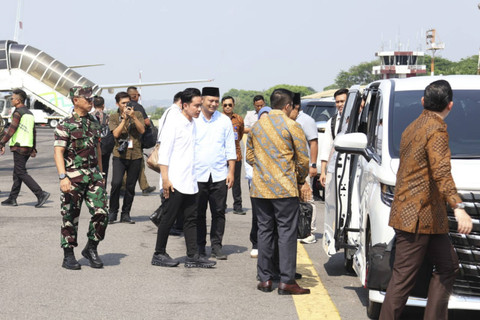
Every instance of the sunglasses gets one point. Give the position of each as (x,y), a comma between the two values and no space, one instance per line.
(89,100)
(228,105)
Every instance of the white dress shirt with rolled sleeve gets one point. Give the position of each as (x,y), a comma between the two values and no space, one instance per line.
(214,146)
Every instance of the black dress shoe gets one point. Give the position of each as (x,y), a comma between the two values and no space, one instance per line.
(42,199)
(70,263)
(10,202)
(218,253)
(125,218)
(240,212)
(91,255)
(265,286)
(163,260)
(148,190)
(198,261)
(294,288)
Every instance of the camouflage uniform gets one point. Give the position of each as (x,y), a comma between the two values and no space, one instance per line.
(80,136)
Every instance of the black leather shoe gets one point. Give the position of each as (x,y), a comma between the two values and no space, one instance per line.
(70,263)
(294,288)
(265,286)
(163,260)
(218,253)
(91,255)
(149,190)
(198,261)
(42,199)
(125,218)
(10,202)
(240,212)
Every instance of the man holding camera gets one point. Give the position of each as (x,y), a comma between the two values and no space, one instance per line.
(127,127)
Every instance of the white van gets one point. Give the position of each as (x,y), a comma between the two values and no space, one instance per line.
(361,184)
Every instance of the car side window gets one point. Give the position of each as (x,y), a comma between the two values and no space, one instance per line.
(370,120)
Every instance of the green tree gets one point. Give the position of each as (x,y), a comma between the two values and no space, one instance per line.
(446,67)
(157,114)
(244,98)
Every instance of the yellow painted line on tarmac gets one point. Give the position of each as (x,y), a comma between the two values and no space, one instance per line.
(317,304)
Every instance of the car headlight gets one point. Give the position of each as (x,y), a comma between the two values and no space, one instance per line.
(387,193)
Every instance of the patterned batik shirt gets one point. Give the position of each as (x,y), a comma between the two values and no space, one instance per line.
(277,151)
(79,136)
(238,129)
(424,179)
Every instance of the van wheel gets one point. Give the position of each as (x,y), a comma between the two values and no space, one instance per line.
(348,262)
(373,309)
(53,123)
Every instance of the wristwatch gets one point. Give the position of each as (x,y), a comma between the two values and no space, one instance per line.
(460,205)
(313,165)
(62,176)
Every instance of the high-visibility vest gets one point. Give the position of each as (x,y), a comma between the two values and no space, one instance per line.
(23,136)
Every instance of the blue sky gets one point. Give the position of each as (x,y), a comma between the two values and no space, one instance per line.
(244,44)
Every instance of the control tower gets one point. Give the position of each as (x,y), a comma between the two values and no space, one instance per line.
(399,64)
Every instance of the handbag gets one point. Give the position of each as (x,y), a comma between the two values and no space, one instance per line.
(149,137)
(304,220)
(152,160)
(157,215)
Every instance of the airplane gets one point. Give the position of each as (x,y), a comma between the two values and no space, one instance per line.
(46,80)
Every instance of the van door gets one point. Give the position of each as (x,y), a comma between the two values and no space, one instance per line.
(337,188)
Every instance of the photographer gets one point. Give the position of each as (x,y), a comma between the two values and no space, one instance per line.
(127,127)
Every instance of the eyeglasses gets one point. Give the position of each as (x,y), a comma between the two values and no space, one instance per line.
(228,105)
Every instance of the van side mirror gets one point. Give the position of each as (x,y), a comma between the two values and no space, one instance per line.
(353,143)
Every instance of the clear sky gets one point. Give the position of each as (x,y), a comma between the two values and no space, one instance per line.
(244,44)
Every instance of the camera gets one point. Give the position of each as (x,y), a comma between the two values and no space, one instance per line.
(122,145)
(130,105)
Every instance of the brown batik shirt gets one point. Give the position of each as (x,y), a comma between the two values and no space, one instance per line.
(238,130)
(424,179)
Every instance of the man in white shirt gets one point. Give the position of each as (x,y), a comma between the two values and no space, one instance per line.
(214,149)
(309,127)
(176,107)
(178,179)
(330,131)
(252,116)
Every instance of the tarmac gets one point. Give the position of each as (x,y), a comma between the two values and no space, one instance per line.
(33,285)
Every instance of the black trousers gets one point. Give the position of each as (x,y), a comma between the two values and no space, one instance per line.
(411,250)
(106,165)
(20,175)
(214,194)
(283,213)
(254,229)
(236,188)
(132,168)
(177,205)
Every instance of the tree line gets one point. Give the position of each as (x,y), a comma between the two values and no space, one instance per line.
(359,74)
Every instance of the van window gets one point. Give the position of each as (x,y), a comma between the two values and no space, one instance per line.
(462,122)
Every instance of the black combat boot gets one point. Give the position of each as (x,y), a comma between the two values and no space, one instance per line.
(125,218)
(90,253)
(69,261)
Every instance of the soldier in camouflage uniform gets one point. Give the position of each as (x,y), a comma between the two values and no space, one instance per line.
(78,159)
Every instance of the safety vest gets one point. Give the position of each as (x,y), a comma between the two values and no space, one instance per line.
(23,136)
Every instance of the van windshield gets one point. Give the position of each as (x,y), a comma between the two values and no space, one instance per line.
(320,111)
(463,121)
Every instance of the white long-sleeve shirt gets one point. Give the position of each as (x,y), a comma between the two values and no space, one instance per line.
(177,151)
(326,150)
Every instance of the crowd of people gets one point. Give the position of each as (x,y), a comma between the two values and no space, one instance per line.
(200,158)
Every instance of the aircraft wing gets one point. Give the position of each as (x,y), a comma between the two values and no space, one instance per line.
(110,87)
